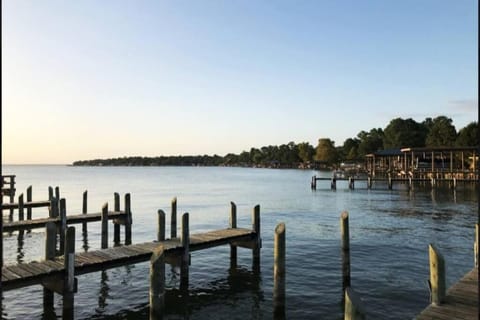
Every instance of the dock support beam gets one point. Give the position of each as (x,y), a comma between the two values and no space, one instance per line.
(437,276)
(161,226)
(279,272)
(475,245)
(173,219)
(69,281)
(157,283)
(258,242)
(128,220)
(104,242)
(29,199)
(186,253)
(63,223)
(345,233)
(333,183)
(353,306)
(116,225)
(233,224)
(84,210)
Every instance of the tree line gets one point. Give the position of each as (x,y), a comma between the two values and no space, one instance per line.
(436,132)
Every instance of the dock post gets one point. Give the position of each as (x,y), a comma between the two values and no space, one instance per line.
(454,182)
(21,215)
(128,222)
(84,209)
(116,226)
(369,182)
(313,184)
(410,183)
(50,240)
(53,209)
(258,240)
(63,223)
(233,224)
(345,233)
(333,183)
(437,276)
(351,183)
(29,199)
(475,245)
(173,219)
(57,192)
(105,226)
(69,286)
(390,182)
(50,193)
(157,283)
(161,226)
(353,306)
(279,272)
(186,252)
(50,252)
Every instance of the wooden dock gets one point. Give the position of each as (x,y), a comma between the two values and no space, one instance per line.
(461,301)
(38,272)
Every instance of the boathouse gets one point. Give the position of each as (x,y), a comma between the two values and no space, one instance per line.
(424,163)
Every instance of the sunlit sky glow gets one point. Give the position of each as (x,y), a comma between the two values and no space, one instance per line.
(100,79)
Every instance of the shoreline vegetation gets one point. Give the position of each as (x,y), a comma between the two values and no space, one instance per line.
(399,133)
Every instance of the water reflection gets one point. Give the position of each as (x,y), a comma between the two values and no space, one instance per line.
(20,243)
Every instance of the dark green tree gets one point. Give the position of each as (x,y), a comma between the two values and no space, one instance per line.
(370,141)
(442,133)
(305,151)
(326,151)
(468,136)
(401,133)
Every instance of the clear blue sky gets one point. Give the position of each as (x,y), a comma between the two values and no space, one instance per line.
(100,79)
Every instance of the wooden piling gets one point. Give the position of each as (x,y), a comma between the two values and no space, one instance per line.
(21,214)
(390,182)
(57,192)
(233,224)
(173,219)
(185,240)
(475,245)
(333,183)
(161,226)
(116,225)
(128,222)
(29,199)
(279,272)
(437,276)
(369,182)
(105,226)
(53,209)
(63,223)
(50,240)
(256,228)
(351,183)
(157,283)
(345,234)
(313,184)
(69,280)
(50,193)
(354,309)
(84,209)
(50,252)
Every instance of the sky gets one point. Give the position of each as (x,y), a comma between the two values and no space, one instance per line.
(103,79)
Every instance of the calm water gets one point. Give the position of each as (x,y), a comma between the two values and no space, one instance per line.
(390,232)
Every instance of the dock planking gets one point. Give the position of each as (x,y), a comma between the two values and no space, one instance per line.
(71,219)
(461,301)
(36,272)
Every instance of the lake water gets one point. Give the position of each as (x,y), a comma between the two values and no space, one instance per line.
(390,231)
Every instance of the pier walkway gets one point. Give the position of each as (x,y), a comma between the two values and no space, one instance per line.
(461,301)
(36,272)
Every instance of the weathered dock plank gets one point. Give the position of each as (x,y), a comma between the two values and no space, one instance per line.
(20,275)
(461,301)
(71,219)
